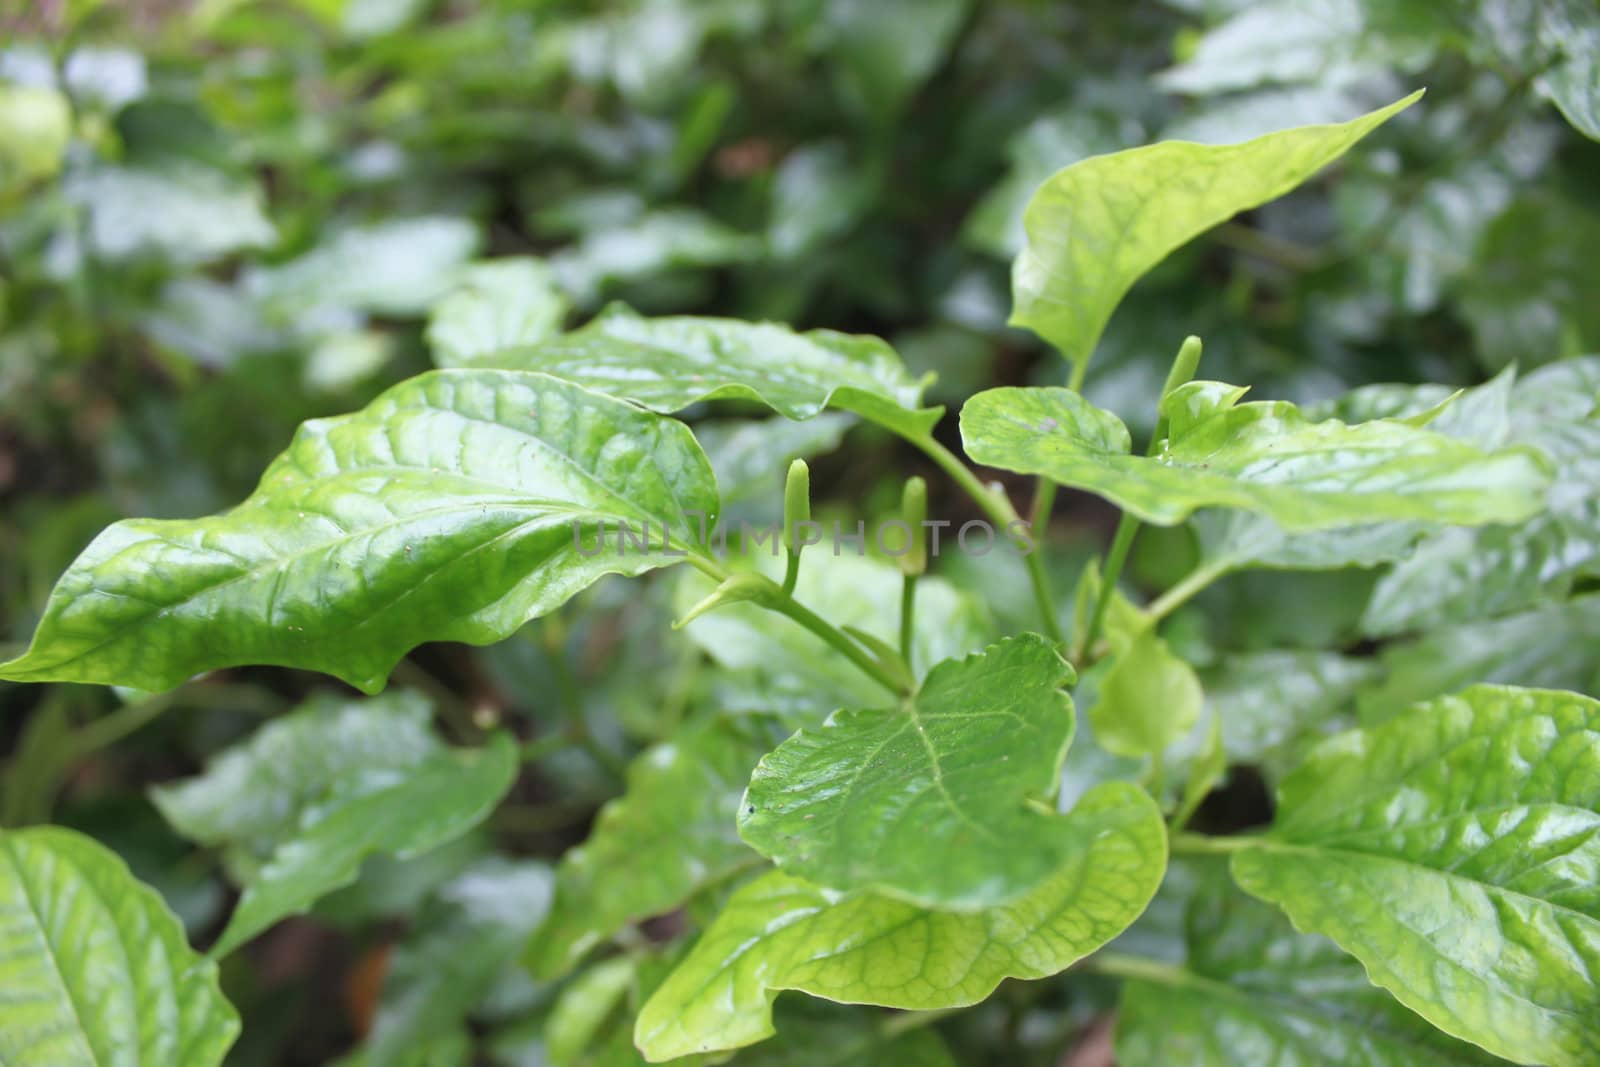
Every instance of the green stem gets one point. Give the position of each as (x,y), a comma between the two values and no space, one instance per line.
(109,729)
(1080,367)
(791,574)
(1124,965)
(837,639)
(1127,528)
(1180,594)
(908,615)
(906,1021)
(998,507)
(1206,845)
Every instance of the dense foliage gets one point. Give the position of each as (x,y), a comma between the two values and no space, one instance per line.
(563,624)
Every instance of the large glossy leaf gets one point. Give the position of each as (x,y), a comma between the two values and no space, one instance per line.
(497,304)
(1453,851)
(448,509)
(669,363)
(1264,457)
(671,833)
(1095,227)
(415,810)
(928,802)
(1250,989)
(95,969)
(781,933)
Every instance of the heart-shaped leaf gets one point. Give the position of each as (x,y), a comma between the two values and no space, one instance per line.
(934,802)
(95,969)
(455,507)
(780,932)
(1453,851)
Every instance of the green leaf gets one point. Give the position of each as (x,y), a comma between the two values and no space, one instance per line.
(462,941)
(928,802)
(95,968)
(780,932)
(1452,851)
(750,456)
(578,1016)
(669,835)
(1251,989)
(1264,457)
(1095,227)
(1148,698)
(424,807)
(499,303)
(448,510)
(261,792)
(669,363)
(35,128)
(849,591)
(1551,646)
(399,267)
(187,213)
(1571,29)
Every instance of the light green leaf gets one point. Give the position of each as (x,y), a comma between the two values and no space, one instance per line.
(669,363)
(1571,29)
(462,941)
(262,791)
(1147,699)
(398,267)
(1095,227)
(1551,646)
(1264,457)
(849,591)
(669,835)
(95,968)
(928,802)
(1453,851)
(499,303)
(448,510)
(1251,990)
(580,1013)
(429,804)
(187,213)
(781,933)
(35,127)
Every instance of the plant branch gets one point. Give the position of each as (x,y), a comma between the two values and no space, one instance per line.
(836,639)
(1180,594)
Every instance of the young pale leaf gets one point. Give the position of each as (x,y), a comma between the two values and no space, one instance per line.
(1454,851)
(1253,990)
(1264,457)
(780,932)
(1095,227)
(670,834)
(1147,699)
(426,806)
(669,363)
(928,802)
(448,510)
(95,968)
(498,304)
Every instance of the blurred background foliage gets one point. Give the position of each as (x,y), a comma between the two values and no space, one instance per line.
(220,218)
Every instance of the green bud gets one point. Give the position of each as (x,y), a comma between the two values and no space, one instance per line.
(1183,367)
(914,512)
(796,502)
